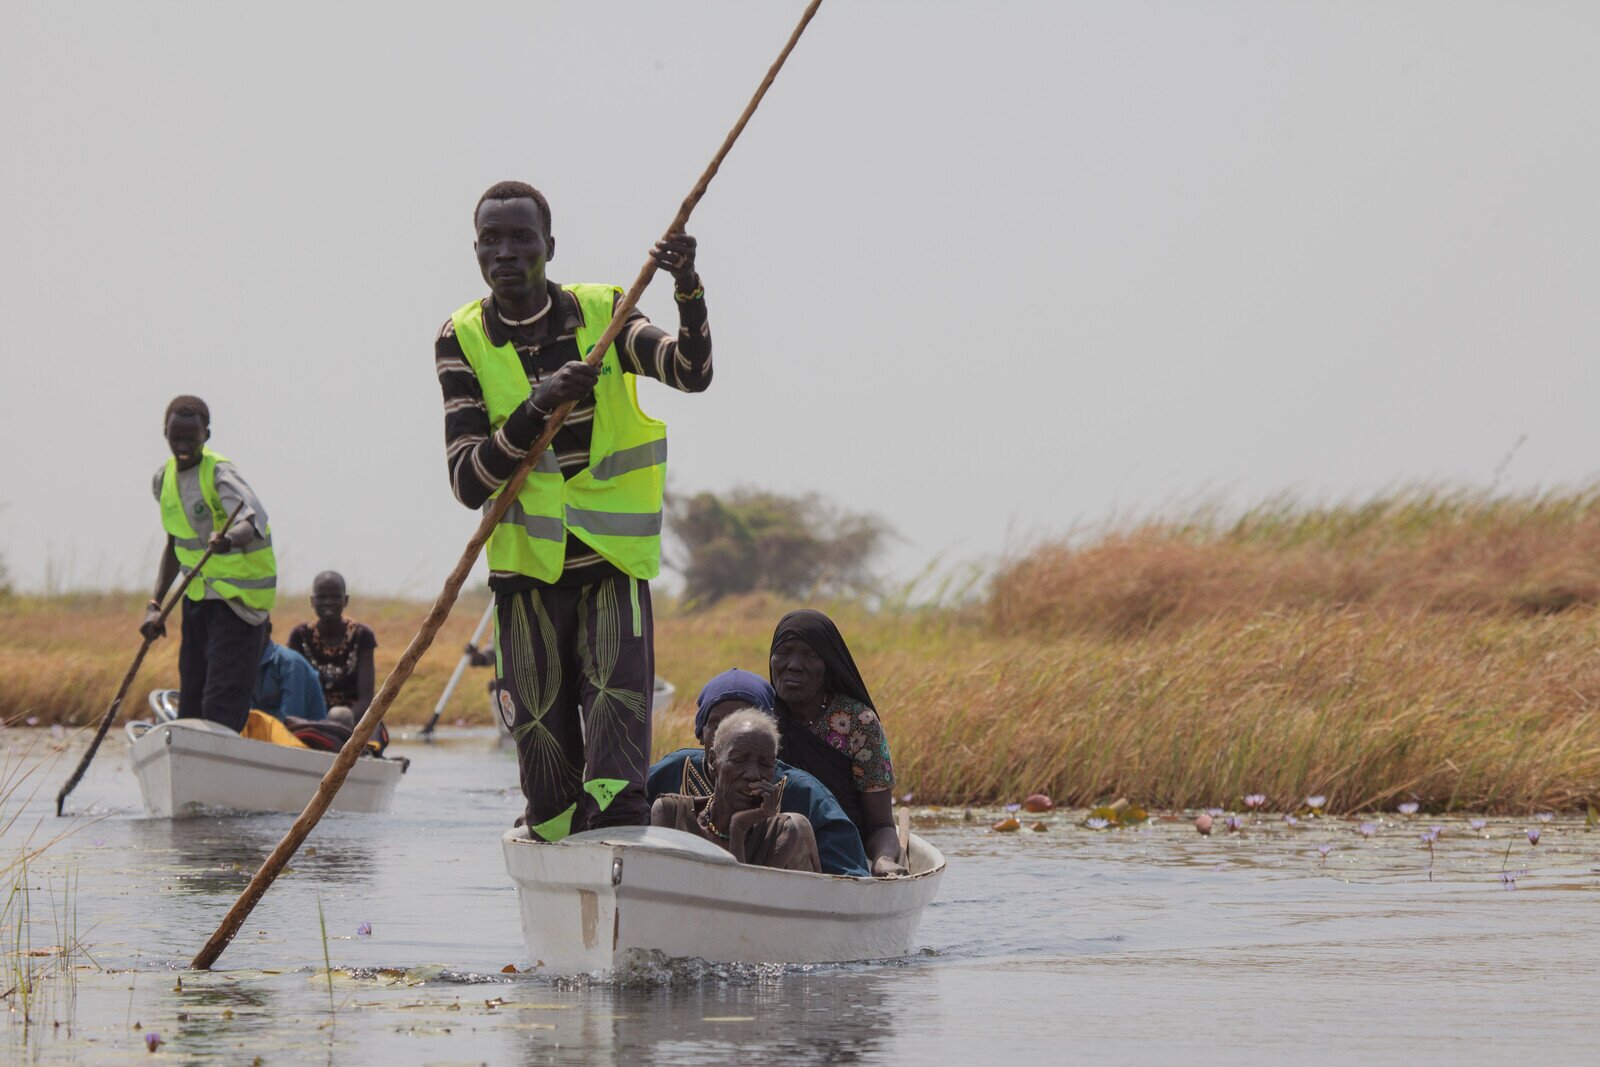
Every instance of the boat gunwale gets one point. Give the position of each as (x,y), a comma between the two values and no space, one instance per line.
(519,835)
(378,764)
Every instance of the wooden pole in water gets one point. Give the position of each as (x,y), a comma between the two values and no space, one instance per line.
(133,671)
(447,596)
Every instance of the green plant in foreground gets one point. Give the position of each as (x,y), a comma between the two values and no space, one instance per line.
(327,960)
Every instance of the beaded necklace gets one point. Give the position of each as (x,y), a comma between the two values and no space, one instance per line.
(323,652)
(704,819)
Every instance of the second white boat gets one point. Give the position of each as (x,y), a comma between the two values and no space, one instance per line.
(187,766)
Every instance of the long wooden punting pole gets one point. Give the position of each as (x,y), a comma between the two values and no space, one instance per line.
(441,607)
(133,671)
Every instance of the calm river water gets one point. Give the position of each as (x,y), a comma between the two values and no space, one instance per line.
(1053,947)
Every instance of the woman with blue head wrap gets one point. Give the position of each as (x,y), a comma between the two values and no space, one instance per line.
(725,694)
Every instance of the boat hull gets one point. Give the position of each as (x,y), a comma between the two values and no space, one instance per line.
(190,765)
(594,902)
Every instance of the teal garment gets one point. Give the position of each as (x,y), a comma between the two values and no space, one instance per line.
(838,842)
(287,685)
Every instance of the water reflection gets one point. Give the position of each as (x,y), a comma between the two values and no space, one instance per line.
(829,1015)
(216,856)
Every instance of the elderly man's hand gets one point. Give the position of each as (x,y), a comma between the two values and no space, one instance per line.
(767,809)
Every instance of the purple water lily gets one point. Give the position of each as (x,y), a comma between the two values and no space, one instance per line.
(1255,800)
(1477,824)
(1430,836)
(1316,802)
(1544,816)
(1009,807)
(1533,835)
(1324,850)
(1233,823)
(907,798)
(1409,807)
(1096,823)
(1213,812)
(152,1040)
(1367,829)
(1508,879)
(363,929)
(57,730)
(1290,820)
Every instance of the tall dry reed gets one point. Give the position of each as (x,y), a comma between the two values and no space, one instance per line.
(1414,551)
(1438,647)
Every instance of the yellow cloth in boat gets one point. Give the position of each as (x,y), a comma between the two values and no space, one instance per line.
(263,727)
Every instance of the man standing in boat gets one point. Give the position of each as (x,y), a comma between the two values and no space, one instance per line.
(225,610)
(570,563)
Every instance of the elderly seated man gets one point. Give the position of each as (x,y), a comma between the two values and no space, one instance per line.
(692,772)
(741,814)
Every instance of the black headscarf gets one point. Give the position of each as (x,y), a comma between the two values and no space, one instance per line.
(801,747)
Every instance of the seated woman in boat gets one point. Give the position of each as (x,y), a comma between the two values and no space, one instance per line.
(830,728)
(339,648)
(741,814)
(692,772)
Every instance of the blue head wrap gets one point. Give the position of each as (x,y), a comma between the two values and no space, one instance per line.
(752,689)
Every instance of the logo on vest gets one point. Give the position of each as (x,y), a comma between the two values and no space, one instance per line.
(199,509)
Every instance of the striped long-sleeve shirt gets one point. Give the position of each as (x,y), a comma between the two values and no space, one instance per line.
(481,458)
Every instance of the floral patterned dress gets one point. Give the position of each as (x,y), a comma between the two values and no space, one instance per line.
(854,729)
(336,666)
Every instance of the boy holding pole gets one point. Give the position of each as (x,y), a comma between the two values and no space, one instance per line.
(225,609)
(571,561)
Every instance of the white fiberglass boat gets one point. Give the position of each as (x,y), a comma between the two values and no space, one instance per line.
(186,765)
(596,901)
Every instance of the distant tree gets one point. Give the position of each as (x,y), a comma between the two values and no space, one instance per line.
(749,540)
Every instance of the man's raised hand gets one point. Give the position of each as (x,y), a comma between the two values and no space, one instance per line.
(674,254)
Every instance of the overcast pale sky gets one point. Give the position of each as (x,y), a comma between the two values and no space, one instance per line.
(990,270)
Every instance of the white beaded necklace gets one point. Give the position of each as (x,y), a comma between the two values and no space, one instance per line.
(548,303)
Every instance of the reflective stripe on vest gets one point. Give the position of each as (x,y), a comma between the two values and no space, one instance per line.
(614,504)
(248,575)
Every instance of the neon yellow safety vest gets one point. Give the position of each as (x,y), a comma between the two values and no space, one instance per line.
(249,576)
(614,504)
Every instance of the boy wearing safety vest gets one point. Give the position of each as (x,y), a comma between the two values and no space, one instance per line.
(570,564)
(224,609)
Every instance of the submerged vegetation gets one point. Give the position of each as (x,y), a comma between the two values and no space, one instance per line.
(38,977)
(1428,648)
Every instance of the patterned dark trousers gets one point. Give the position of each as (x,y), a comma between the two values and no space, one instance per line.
(575,669)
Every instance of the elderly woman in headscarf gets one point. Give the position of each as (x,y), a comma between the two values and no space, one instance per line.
(741,814)
(831,730)
(692,772)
